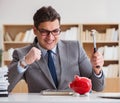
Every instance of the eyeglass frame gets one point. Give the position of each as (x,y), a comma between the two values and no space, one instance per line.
(48,32)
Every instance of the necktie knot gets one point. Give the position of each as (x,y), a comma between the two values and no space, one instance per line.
(49,52)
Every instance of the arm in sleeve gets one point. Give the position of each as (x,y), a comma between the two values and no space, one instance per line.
(15,72)
(86,70)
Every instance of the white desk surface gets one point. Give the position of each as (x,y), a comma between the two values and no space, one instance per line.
(37,98)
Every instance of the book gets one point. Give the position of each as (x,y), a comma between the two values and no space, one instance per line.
(19,36)
(7,37)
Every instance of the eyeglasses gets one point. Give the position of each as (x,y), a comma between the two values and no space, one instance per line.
(45,32)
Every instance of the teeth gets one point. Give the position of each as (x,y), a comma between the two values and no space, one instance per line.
(49,42)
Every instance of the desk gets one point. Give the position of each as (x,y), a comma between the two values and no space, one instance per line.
(37,98)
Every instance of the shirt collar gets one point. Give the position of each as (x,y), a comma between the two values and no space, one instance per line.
(44,51)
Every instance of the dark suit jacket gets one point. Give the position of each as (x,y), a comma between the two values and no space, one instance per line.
(73,61)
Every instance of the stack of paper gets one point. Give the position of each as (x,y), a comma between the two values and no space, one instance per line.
(3,81)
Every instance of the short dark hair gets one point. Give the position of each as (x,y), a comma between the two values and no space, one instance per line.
(45,14)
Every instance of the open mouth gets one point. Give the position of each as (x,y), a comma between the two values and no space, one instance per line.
(50,42)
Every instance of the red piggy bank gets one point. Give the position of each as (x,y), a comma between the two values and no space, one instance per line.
(81,85)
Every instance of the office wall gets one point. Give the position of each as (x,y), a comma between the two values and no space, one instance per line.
(72,11)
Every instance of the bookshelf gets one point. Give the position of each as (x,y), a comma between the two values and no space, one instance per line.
(11,31)
(85,40)
(107,36)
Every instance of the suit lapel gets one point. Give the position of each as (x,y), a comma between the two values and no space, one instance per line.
(44,68)
(62,48)
(43,65)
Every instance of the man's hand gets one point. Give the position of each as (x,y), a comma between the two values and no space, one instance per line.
(33,55)
(97,60)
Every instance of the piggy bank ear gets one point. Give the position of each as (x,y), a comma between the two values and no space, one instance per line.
(76,77)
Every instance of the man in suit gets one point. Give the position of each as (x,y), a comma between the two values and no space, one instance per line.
(31,62)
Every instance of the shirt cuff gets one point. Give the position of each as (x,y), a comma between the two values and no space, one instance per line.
(20,68)
(98,75)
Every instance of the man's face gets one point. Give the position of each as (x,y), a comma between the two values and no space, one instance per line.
(48,39)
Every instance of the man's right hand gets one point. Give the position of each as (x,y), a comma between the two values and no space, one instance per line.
(33,55)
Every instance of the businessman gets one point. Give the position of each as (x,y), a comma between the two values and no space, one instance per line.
(51,63)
